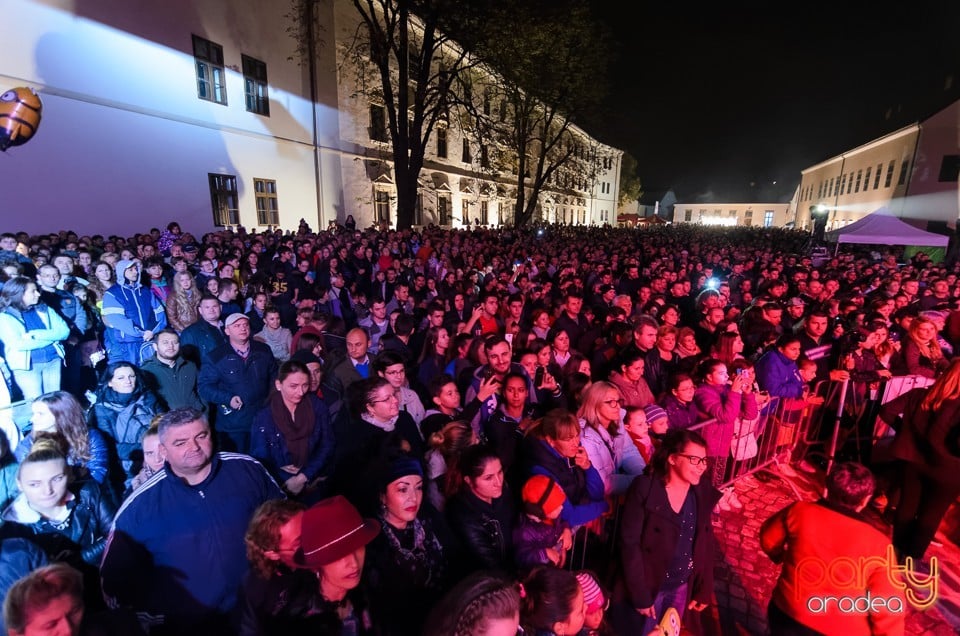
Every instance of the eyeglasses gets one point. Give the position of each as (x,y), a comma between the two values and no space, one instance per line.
(617,402)
(386,399)
(398,372)
(694,460)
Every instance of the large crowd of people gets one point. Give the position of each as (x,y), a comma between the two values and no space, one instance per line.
(370,431)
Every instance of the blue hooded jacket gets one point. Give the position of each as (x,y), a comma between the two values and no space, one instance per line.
(129,309)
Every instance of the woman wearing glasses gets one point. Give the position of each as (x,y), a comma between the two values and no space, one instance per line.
(667,548)
(609,448)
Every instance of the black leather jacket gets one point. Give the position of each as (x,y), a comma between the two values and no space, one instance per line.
(82,536)
(486,530)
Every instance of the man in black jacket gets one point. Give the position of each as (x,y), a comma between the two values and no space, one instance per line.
(236,378)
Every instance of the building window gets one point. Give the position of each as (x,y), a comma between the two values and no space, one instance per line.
(223,198)
(843,183)
(255,86)
(866,179)
(442,143)
(832,188)
(819,190)
(859,179)
(381,204)
(748,214)
(889,179)
(466,157)
(484,157)
(949,169)
(378,123)
(904,168)
(486,103)
(876,179)
(503,110)
(688,215)
(850,184)
(484,212)
(211,79)
(465,212)
(443,210)
(768,218)
(266,193)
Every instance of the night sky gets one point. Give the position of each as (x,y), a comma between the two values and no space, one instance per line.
(719,103)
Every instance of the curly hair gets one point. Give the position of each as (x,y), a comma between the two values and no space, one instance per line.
(263,533)
(70,422)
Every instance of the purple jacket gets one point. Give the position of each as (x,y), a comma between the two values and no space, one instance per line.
(722,406)
(531,539)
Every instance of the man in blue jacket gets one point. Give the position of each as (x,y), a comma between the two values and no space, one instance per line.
(132,314)
(236,378)
(176,553)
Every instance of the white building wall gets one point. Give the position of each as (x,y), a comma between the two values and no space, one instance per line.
(927,196)
(125,143)
(731,214)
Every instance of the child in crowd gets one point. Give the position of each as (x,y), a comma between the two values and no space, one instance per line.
(152,460)
(540,537)
(635,423)
(595,601)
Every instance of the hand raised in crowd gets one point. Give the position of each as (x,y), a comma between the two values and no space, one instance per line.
(839,376)
(581,459)
(488,386)
(549,382)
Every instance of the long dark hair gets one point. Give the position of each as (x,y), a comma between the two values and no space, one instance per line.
(471,463)
(550,593)
(11,295)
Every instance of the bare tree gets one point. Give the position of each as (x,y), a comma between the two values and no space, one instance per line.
(549,70)
(403,59)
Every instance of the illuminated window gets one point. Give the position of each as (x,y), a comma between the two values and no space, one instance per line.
(442,143)
(211,80)
(266,194)
(255,86)
(382,206)
(378,123)
(768,218)
(223,197)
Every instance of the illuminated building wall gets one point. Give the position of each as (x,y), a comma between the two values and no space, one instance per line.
(130,136)
(913,172)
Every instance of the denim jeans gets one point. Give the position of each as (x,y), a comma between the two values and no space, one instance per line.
(42,377)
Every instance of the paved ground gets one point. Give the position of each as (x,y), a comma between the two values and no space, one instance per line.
(745,576)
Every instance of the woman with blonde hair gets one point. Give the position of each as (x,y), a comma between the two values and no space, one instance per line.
(920,353)
(610,449)
(183,301)
(928,446)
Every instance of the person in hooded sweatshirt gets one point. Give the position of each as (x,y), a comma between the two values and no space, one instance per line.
(132,315)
